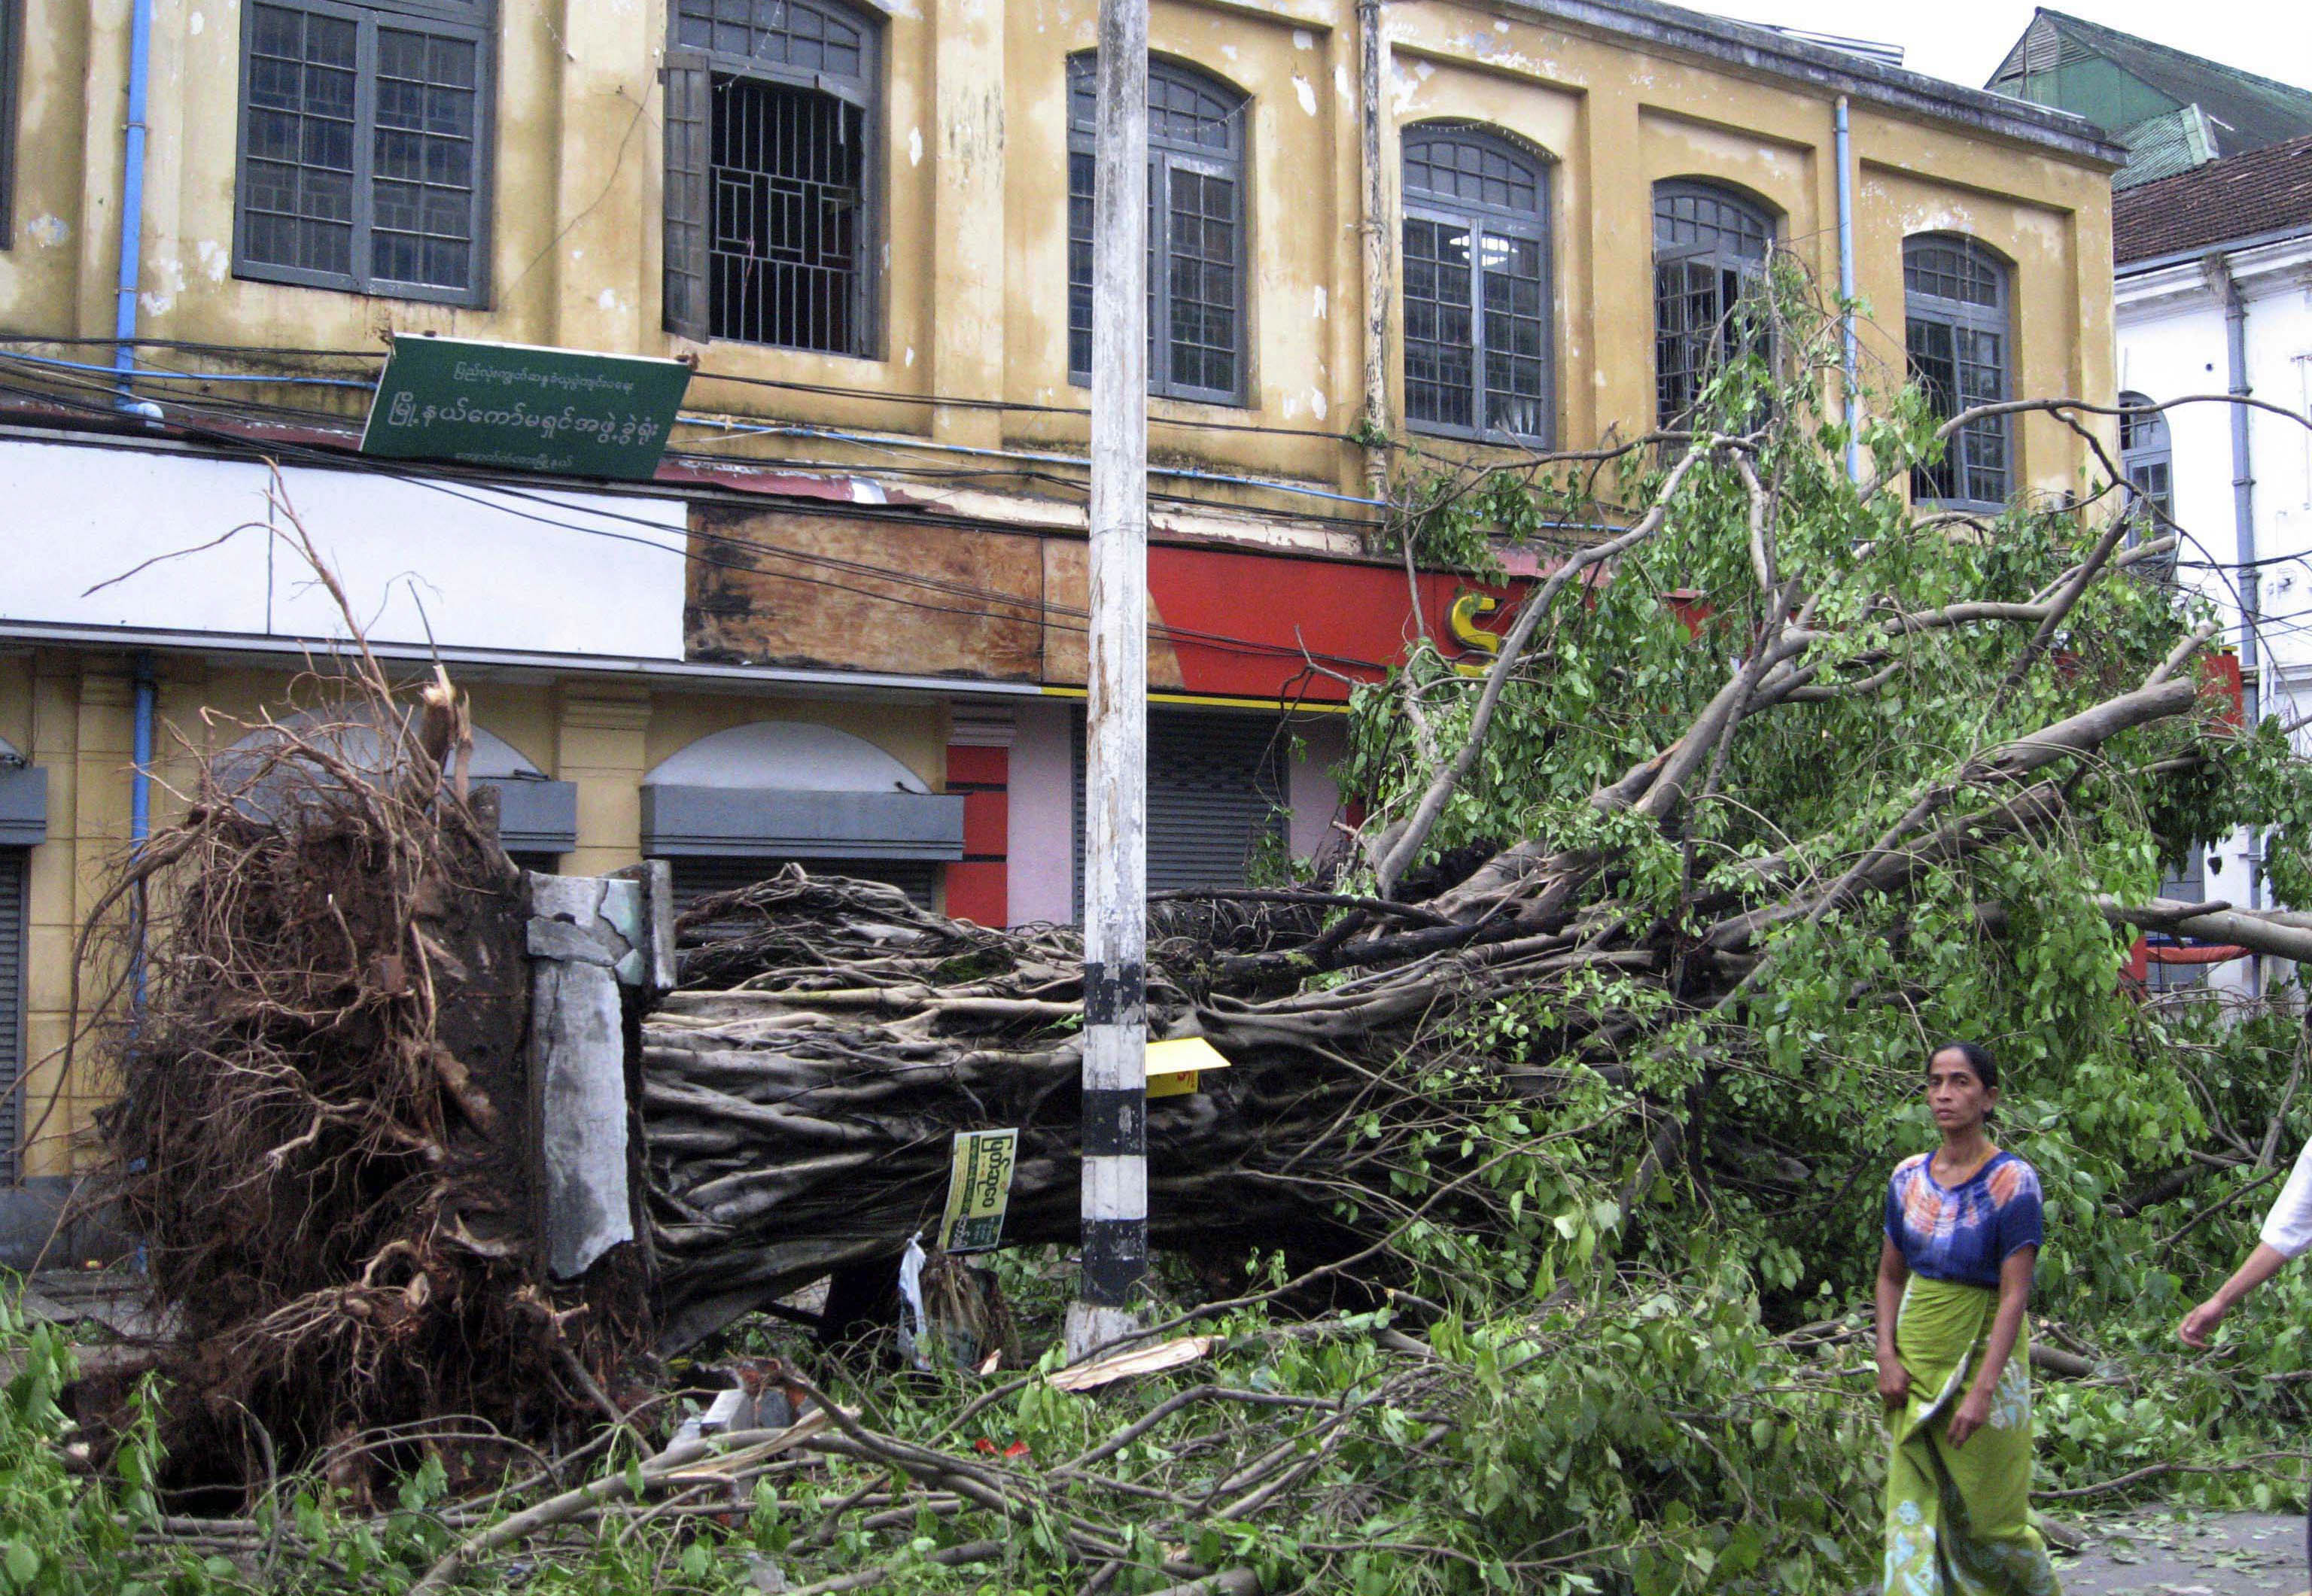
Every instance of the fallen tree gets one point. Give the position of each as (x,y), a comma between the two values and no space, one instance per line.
(323,1131)
(1545,1175)
(2015,714)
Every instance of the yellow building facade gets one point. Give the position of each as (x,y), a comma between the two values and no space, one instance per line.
(856,220)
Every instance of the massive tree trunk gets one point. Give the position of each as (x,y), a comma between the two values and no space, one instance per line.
(801,1090)
(796,1128)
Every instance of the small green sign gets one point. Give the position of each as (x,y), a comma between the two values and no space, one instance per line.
(525,405)
(978,1191)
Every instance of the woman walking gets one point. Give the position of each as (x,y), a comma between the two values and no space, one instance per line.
(1962,1232)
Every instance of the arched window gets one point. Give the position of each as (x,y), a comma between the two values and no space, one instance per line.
(1711,246)
(770,112)
(1196,232)
(2144,455)
(1955,330)
(1476,285)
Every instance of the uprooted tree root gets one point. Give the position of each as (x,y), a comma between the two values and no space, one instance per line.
(323,1116)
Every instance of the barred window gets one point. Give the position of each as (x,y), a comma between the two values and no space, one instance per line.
(363,147)
(1955,331)
(2145,456)
(1710,247)
(1196,232)
(770,110)
(1477,353)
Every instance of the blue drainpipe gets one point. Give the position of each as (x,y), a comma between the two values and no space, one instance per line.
(1850,353)
(132,214)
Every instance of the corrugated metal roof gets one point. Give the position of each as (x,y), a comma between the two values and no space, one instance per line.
(2166,145)
(2253,112)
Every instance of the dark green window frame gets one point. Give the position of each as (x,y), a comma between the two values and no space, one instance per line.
(1199,244)
(1480,318)
(351,118)
(12,50)
(1959,341)
(816,62)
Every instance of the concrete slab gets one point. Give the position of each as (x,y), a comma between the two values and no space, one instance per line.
(578,1060)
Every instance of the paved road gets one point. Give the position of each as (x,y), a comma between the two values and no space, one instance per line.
(2240,1554)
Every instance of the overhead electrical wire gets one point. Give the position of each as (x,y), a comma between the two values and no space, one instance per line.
(739,429)
(240,409)
(830,435)
(702,373)
(992,602)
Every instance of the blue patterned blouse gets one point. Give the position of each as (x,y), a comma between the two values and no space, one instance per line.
(1963,1232)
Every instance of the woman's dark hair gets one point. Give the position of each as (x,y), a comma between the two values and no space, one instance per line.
(1978,1059)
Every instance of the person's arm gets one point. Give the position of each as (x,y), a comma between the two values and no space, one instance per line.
(2261,1264)
(2286,1232)
(1894,1274)
(2006,1329)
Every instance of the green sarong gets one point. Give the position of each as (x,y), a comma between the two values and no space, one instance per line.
(1958,1519)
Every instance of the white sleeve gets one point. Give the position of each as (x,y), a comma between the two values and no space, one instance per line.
(2288,1228)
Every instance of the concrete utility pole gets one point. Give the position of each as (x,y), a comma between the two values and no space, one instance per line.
(1372,62)
(1116,741)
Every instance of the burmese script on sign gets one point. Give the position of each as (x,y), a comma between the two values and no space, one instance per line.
(978,1191)
(526,406)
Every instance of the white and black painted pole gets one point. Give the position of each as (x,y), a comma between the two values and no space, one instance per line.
(1115,740)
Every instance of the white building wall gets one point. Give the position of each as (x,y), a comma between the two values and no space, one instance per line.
(125,539)
(2172,344)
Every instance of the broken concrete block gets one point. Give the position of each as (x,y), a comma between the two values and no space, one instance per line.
(577,899)
(584,944)
(578,1061)
(654,936)
(621,918)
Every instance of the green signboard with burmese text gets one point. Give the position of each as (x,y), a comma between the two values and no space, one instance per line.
(525,406)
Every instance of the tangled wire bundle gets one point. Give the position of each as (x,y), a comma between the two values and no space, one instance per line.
(323,1115)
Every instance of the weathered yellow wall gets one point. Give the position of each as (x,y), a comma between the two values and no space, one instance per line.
(973,173)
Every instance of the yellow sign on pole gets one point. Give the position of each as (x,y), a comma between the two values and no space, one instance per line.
(978,1191)
(1173,1067)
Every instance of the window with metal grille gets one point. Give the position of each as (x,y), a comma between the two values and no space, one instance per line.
(2145,455)
(783,266)
(1476,285)
(1955,331)
(769,198)
(1710,247)
(1196,232)
(364,147)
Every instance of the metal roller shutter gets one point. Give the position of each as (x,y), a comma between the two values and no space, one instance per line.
(12,1006)
(697,875)
(1216,794)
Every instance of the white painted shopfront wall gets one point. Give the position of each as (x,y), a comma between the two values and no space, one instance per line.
(526,570)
